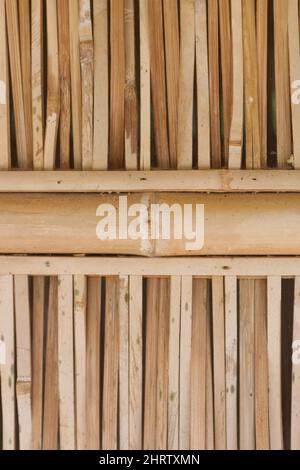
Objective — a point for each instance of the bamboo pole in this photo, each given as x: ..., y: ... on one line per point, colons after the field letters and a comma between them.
x: 5, y: 160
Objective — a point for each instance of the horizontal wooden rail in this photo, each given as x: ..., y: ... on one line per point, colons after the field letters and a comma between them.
x: 235, y: 224
x: 207, y: 181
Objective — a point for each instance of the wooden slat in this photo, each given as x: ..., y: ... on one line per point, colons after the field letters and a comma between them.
x: 185, y: 363
x: 186, y: 85
x: 93, y: 331
x: 262, y: 20
x: 4, y: 93
x: 23, y: 357
x: 7, y: 335
x: 124, y: 362
x: 87, y: 81
x: 101, y: 85
x: 80, y: 314
x: 37, y: 363
x: 209, y: 411
x: 135, y: 362
x: 66, y: 363
x: 51, y: 399
x: 274, y: 362
x: 231, y: 347
x: 294, y: 61
x: 173, y: 369
x: 111, y: 367
x: 295, y: 409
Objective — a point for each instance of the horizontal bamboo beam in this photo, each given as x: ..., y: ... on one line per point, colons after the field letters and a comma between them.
x: 245, y: 224
x: 207, y: 181
x: 206, y: 267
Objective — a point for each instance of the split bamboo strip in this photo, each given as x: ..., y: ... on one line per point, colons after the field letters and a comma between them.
x: 262, y: 21
x: 145, y: 104
x: 51, y: 397
x: 87, y: 78
x: 274, y: 363
x: 198, y: 365
x: 135, y: 362
x: 294, y: 61
x: 111, y: 367
x: 5, y: 159
x: 231, y: 345
x: 236, y: 130
x: 53, y: 92
x: 173, y: 369
x: 38, y: 363
x: 65, y: 363
x: 246, y: 361
x: 23, y: 347
x: 65, y: 82
x: 117, y: 82
x: 101, y: 85
x: 80, y: 314
x: 37, y: 11
x: 131, y: 115
x: 185, y: 362
x: 282, y: 88
x: 219, y: 362
x: 158, y: 83
x: 171, y: 31
x: 295, y: 409
x: 75, y: 83
x: 7, y: 336
x: 16, y: 78
x: 186, y: 85
x: 261, y: 367
x: 202, y: 78
x: 124, y: 362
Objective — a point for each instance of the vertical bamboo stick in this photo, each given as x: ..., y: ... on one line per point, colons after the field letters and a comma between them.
x: 158, y: 83
x: 5, y: 160
x: 80, y: 307
x: 75, y: 83
x: 261, y: 367
x: 171, y: 30
x: 213, y: 53
x: 37, y: 10
x: 117, y: 80
x: 219, y: 362
x: 51, y: 400
x: 274, y: 362
x: 87, y: 79
x: 124, y: 362
x: 203, y: 111
x: 37, y: 364
x: 262, y: 63
x: 236, y: 130
x: 294, y: 56
x: 198, y: 366
x: 135, y: 362
x: 53, y: 94
x: 246, y: 352
x: 65, y: 363
x: 23, y: 346
x: 186, y: 84
x: 7, y: 336
x: 131, y: 116
x: 101, y: 85
x: 65, y: 82
x: 295, y: 419
x: 93, y: 326
x: 111, y: 363
x: 145, y: 114
x: 231, y: 338
x: 185, y: 363
x: 16, y: 80
x: 173, y: 369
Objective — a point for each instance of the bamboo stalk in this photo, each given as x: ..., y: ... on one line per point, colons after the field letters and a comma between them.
x: 51, y: 399
x: 101, y: 85
x: 124, y: 362
x: 5, y: 159
x: 87, y: 79
x: 295, y: 408
x: 65, y: 363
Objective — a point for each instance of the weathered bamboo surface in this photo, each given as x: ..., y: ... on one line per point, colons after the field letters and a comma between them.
x: 100, y: 84
x: 141, y: 359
